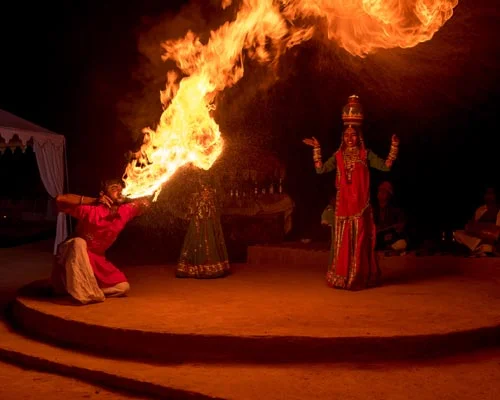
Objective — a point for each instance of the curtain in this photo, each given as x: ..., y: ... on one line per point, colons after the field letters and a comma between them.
x: 50, y: 160
x: 49, y: 152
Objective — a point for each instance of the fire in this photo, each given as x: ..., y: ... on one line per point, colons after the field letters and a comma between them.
x: 364, y: 26
x: 262, y: 30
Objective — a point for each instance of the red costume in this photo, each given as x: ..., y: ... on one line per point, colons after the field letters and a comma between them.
x: 353, y: 263
x: 99, y: 226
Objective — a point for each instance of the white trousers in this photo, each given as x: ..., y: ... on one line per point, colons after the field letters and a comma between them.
x: 72, y: 274
x: 473, y: 243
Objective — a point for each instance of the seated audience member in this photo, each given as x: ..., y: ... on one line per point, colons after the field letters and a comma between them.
x: 481, y: 234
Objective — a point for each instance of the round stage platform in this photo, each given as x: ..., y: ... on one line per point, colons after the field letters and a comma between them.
x: 277, y: 313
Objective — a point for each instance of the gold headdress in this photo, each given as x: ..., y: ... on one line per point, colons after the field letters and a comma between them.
x: 352, y: 113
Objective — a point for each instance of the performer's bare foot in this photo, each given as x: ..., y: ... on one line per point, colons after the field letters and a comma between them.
x: 119, y: 290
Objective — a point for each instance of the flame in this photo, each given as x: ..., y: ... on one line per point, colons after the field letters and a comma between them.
x: 364, y: 26
x: 262, y: 30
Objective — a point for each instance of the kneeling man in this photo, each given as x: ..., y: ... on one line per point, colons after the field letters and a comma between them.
x: 81, y: 268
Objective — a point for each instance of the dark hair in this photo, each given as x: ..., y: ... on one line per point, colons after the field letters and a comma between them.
x: 108, y: 182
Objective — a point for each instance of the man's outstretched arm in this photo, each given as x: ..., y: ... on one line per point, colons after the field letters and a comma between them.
x: 68, y: 201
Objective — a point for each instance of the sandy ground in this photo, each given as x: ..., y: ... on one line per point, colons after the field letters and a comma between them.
x: 279, y: 300
x: 471, y: 376
x: 19, y: 265
x: 468, y: 376
x: 21, y: 384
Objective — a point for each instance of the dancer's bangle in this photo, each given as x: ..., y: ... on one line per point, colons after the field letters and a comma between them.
x: 317, y: 157
x: 393, y: 152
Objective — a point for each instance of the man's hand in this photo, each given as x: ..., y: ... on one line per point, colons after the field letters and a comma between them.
x: 144, y: 202
x: 103, y: 199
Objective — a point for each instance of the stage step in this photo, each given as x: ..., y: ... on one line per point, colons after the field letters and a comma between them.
x: 440, y: 297
x: 470, y: 376
x: 265, y: 313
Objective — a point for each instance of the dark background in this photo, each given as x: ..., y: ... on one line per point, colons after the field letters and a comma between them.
x: 91, y: 70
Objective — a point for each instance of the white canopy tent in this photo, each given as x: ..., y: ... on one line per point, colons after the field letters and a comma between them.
x: 49, y: 149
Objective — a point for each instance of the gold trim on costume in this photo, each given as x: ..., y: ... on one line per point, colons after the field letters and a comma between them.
x: 351, y: 223
x: 186, y: 270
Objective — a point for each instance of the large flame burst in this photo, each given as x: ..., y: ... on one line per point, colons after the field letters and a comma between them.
x: 262, y: 30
